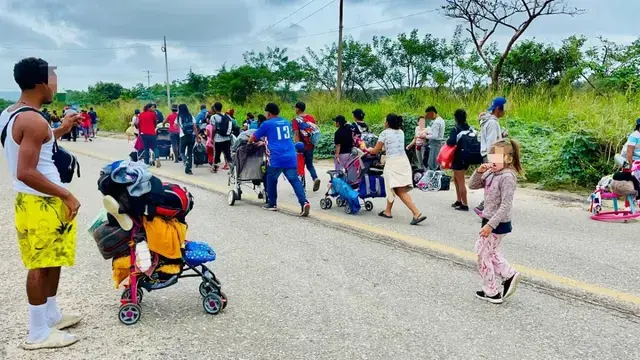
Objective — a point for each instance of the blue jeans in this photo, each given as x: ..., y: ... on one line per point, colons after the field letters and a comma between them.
x: 308, y: 161
x: 272, y: 184
x: 175, y: 146
x: 150, y: 144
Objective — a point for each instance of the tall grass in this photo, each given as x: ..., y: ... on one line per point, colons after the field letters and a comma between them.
x: 545, y: 121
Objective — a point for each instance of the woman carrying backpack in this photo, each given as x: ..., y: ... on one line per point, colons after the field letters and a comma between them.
x: 188, y: 130
x: 459, y: 166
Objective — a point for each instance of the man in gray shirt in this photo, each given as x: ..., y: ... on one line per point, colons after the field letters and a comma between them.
x: 436, y: 137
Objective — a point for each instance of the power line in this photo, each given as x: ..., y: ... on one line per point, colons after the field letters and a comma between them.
x: 303, y: 36
x: 228, y: 45
x: 307, y: 35
x: 78, y: 49
x: 286, y: 17
x: 310, y: 15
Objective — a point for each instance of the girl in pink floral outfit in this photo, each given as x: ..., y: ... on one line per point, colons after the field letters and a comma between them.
x: 498, y: 178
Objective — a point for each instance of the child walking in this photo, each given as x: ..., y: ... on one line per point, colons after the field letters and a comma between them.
x: 498, y: 178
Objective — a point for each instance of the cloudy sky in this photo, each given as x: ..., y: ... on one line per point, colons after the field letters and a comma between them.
x: 119, y: 40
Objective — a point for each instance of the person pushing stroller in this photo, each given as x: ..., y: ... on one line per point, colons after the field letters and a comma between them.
x: 282, y: 157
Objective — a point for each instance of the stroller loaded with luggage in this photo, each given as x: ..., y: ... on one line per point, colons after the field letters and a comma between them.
x: 143, y: 230
x: 248, y: 168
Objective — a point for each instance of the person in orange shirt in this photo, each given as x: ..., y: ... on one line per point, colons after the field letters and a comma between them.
x: 86, y: 125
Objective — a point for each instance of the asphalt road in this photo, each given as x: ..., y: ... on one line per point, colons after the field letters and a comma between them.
x: 299, y: 289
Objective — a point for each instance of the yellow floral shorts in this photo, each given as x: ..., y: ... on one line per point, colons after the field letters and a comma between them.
x: 45, y: 236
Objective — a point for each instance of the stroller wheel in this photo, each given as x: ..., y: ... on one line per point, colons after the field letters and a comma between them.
x: 212, y: 304
x: 206, y: 289
x: 341, y: 202
x: 328, y: 203
x: 129, y: 314
x: 347, y: 209
x: 223, y: 296
x: 323, y: 204
x: 231, y: 198
x: 126, y: 295
x: 368, y: 205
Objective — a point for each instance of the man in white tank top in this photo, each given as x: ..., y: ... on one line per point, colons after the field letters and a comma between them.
x: 45, y: 210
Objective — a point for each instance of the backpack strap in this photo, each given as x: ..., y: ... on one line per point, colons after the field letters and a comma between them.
x: 3, y: 136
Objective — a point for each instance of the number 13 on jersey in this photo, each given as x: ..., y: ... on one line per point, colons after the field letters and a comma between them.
x: 284, y: 132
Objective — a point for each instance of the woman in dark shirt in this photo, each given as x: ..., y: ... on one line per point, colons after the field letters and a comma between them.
x: 458, y: 166
x: 343, y: 139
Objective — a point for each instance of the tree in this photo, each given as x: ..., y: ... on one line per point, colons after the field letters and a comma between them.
x: 613, y: 66
x: 461, y: 63
x: 484, y: 17
x: 196, y: 85
x: 357, y: 62
x: 321, y: 67
x: 531, y: 63
x: 239, y: 83
x: 103, y: 92
x: 385, y: 70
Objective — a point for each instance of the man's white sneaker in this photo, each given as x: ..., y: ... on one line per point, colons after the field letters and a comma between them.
x: 56, y: 339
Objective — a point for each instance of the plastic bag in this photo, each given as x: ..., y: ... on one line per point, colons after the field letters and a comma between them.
x: 347, y: 194
x: 100, y: 219
x: 445, y: 157
x: 197, y: 253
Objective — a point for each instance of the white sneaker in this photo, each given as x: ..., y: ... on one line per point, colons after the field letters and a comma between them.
x: 56, y: 339
x: 67, y: 321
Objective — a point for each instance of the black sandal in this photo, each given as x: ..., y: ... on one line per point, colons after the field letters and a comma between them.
x: 418, y: 220
x: 382, y: 214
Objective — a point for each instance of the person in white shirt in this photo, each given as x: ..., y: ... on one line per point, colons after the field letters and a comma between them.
x: 397, y: 169
x: 45, y: 210
x: 435, y: 137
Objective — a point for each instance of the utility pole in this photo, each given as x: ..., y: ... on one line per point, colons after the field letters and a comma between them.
x: 339, y: 84
x: 166, y: 67
x: 148, y: 78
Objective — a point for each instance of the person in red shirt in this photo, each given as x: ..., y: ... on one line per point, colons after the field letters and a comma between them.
x: 147, y: 125
x: 174, y: 132
x: 301, y: 116
x: 86, y: 125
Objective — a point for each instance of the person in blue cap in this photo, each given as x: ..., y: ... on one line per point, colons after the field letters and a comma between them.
x: 633, y: 145
x: 490, y: 133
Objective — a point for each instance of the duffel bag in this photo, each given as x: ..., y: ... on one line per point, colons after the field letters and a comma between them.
x: 112, y: 241
x: 176, y: 202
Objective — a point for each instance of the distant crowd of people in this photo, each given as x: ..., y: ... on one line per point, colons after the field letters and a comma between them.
x: 88, y: 126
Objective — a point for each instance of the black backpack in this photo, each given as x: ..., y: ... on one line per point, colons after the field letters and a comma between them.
x: 187, y: 126
x: 469, y: 147
x: 66, y: 163
x: 225, y: 126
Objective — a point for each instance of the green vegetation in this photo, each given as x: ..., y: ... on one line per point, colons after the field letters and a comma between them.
x: 568, y: 137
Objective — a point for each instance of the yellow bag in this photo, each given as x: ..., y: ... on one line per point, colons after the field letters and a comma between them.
x: 165, y: 237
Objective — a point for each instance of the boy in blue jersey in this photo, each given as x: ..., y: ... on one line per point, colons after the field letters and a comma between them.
x: 282, y: 157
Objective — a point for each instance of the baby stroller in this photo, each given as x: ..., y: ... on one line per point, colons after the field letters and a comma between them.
x: 125, y: 236
x: 164, y: 142
x: 248, y: 166
x: 364, y: 175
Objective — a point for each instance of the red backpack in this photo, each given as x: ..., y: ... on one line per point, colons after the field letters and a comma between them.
x: 177, y: 203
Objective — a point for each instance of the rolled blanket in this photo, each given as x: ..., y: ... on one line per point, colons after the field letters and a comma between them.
x: 623, y: 188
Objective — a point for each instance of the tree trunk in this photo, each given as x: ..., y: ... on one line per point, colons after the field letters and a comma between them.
x: 495, y: 77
